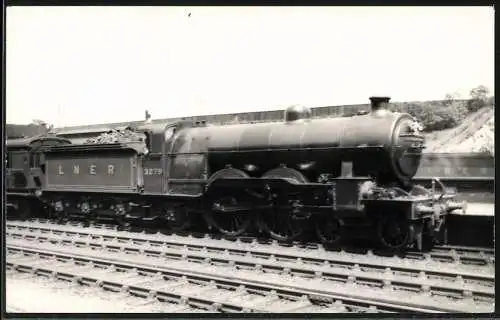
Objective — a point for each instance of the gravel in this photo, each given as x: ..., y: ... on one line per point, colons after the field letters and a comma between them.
x: 27, y: 293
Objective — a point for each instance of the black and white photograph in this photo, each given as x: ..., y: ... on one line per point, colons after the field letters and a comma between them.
x: 293, y: 160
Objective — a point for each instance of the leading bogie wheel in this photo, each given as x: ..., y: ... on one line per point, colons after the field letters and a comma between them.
x: 328, y: 229
x: 394, y: 232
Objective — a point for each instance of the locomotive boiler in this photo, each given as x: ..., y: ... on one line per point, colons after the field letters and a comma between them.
x: 340, y: 176
x: 384, y: 145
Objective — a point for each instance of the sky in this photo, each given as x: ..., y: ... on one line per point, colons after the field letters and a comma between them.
x: 90, y: 65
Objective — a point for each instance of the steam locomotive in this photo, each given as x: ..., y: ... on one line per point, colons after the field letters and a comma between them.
x: 343, y: 177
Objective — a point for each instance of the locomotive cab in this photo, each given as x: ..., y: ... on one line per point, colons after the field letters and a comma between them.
x: 153, y: 161
x: 175, y: 161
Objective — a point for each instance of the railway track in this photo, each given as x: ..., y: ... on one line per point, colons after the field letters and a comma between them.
x: 430, y: 289
x: 467, y: 256
x: 210, y: 288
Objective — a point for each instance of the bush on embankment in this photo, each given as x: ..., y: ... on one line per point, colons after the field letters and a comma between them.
x: 435, y: 115
x: 447, y: 113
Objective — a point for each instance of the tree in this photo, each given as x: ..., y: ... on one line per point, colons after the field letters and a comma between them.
x: 450, y: 98
x: 478, y: 98
x: 480, y: 92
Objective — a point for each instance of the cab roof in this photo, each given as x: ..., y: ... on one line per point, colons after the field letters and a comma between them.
x: 27, y: 142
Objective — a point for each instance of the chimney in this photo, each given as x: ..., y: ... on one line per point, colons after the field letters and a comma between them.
x: 379, y: 103
x: 148, y: 117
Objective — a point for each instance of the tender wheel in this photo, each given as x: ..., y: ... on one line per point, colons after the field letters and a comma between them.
x: 177, y: 219
x: 60, y: 213
x: 121, y: 223
x: 394, y: 232
x: 229, y: 223
x: 23, y: 213
x: 279, y: 224
x: 328, y: 229
x: 91, y: 218
x: 11, y: 212
x: 120, y: 211
x: 62, y: 217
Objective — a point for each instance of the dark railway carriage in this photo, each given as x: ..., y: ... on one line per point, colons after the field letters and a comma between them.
x: 338, y: 175
x: 25, y: 170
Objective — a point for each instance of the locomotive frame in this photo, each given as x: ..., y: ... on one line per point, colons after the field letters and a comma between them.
x: 354, y: 186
